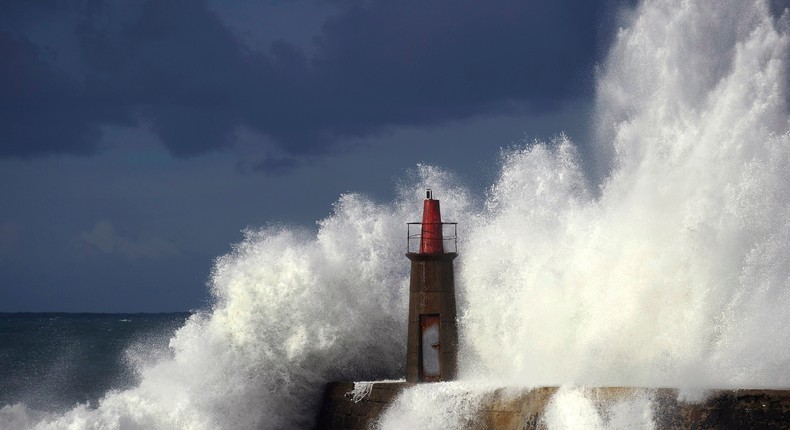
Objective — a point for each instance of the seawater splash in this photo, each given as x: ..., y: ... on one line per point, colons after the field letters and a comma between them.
x: 671, y: 271
x: 676, y: 273
x: 446, y: 405
x: 574, y: 408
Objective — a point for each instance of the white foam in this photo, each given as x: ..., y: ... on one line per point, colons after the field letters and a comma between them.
x: 446, y: 405
x: 674, y: 272
x: 361, y: 391
x: 576, y: 408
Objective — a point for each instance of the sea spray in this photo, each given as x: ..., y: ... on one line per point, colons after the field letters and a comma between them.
x: 674, y: 274
x: 446, y: 405
x: 577, y: 408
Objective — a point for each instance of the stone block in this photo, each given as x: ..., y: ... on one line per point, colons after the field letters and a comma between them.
x: 500, y: 420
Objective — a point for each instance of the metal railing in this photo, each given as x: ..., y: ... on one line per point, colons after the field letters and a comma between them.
x: 449, y: 236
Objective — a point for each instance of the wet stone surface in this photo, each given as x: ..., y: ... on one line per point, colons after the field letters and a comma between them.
x: 506, y: 410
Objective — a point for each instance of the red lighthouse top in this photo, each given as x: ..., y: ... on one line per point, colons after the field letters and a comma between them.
x: 436, y: 238
x: 431, y: 237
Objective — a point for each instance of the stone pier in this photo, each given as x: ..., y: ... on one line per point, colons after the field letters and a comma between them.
x: 345, y: 408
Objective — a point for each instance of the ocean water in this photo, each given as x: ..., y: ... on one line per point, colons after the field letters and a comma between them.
x: 661, y: 261
x: 53, y: 361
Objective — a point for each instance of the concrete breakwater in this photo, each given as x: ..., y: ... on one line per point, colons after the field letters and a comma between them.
x: 347, y: 406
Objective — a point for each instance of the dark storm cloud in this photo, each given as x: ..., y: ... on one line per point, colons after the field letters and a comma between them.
x: 176, y: 66
x: 42, y: 110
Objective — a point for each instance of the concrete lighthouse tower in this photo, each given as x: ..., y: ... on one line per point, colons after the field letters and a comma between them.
x: 432, y: 346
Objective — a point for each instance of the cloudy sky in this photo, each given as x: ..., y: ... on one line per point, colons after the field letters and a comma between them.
x: 139, y: 138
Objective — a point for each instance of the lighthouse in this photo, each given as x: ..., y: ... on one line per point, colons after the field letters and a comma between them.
x: 432, y: 345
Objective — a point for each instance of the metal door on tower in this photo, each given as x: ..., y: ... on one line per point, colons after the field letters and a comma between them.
x: 430, y: 354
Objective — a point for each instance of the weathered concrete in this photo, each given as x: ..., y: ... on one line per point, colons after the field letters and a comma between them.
x: 506, y: 409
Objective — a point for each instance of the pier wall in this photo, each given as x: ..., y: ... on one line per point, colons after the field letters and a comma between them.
x: 504, y: 409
